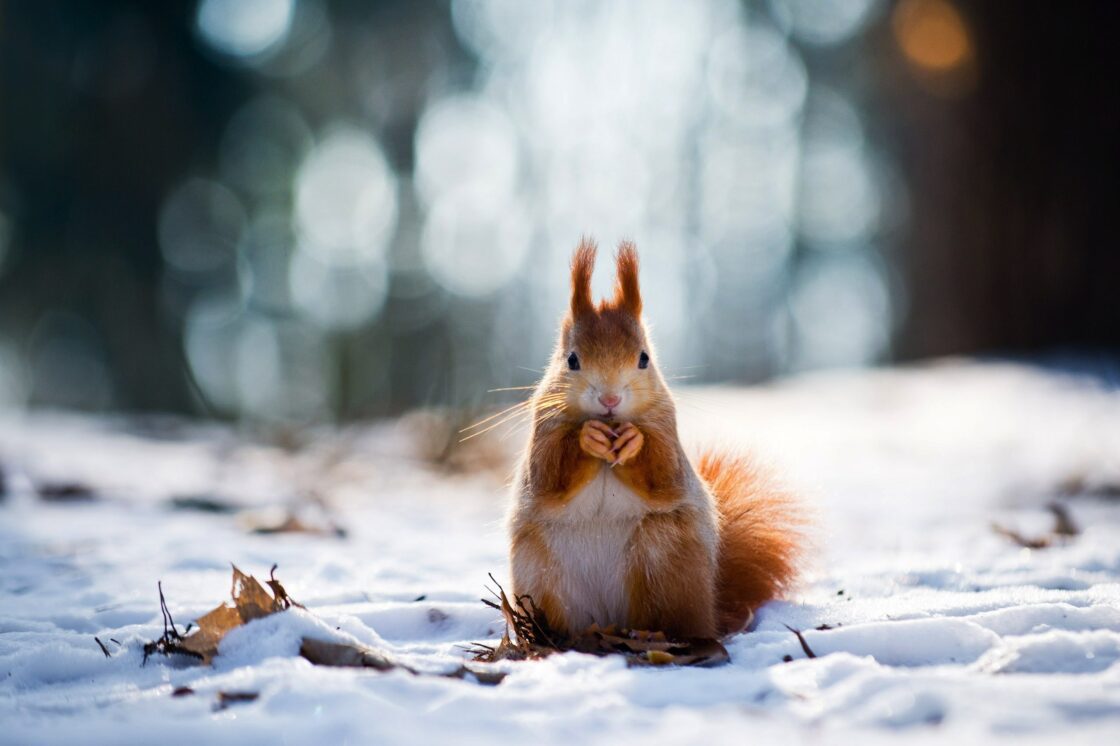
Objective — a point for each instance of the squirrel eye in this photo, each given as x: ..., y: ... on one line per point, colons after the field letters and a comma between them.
x: 573, y: 362
x: 643, y: 360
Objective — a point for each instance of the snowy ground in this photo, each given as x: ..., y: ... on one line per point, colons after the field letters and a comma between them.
x: 939, y: 627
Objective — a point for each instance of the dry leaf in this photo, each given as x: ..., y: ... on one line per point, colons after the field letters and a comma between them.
x: 267, y: 522
x: 324, y: 653
x: 250, y: 597
x: 250, y: 601
x: 1063, y: 530
x: 211, y: 629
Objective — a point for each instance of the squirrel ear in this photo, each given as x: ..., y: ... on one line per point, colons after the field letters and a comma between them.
x: 626, y: 294
x: 583, y: 262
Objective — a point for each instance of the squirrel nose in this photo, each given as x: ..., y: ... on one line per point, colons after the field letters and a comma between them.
x: 610, y: 401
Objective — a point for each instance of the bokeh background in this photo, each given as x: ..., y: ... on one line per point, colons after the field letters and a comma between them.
x: 316, y: 210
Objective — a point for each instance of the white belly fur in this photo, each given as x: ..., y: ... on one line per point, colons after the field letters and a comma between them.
x: 588, y: 541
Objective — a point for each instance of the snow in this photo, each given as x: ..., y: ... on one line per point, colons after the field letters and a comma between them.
x: 938, y: 628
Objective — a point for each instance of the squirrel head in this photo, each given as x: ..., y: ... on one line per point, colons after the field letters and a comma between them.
x: 603, y: 363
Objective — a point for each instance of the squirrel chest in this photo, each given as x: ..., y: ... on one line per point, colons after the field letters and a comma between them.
x: 589, y: 537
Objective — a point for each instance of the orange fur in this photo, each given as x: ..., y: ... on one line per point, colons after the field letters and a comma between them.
x: 760, y: 535
x: 662, y: 597
x: 627, y: 295
x: 612, y: 523
x: 583, y: 262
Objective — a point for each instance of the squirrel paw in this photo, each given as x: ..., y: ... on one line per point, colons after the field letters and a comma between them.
x: 628, y: 443
x: 596, y: 439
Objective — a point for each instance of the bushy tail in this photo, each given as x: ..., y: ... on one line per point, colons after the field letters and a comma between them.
x: 761, y: 538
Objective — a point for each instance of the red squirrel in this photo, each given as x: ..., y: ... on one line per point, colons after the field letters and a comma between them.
x: 612, y: 523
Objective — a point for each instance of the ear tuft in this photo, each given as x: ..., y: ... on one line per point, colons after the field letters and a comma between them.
x: 627, y: 294
x: 583, y: 263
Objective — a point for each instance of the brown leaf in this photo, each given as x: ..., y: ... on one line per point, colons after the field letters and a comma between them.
x: 323, y: 653
x: 291, y: 524
x: 279, y: 592
x: 252, y: 600
x: 344, y: 655
x: 211, y: 629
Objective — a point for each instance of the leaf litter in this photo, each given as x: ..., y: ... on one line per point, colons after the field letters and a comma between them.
x: 251, y: 601
x: 1064, y: 530
x: 528, y: 636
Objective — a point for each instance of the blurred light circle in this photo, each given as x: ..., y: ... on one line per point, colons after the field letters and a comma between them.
x: 244, y: 28
x: 755, y: 77
x: 465, y: 143
x: 201, y: 224
x: 263, y: 144
x: 840, y: 200
x: 823, y: 22
x: 210, y: 335
x: 495, y: 28
x: 748, y: 187
x: 256, y: 365
x: 256, y: 369
x: 932, y: 34
x: 308, y: 40
x: 335, y: 296
x: 840, y: 308
x: 282, y: 370
x: 470, y: 251
x: 829, y: 115
x: 346, y: 199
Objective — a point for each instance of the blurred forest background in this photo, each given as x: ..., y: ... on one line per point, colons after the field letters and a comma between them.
x: 307, y: 210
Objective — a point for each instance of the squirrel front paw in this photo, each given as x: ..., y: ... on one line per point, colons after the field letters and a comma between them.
x: 597, y: 440
x: 628, y: 443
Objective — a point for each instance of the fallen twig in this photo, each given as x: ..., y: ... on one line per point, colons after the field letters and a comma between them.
x: 171, y: 642
x: 101, y: 645
x: 801, y: 639
x: 1064, y: 529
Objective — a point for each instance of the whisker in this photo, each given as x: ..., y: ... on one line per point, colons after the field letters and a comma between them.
x: 513, y: 408
x: 512, y: 413
x: 514, y: 417
x: 510, y: 418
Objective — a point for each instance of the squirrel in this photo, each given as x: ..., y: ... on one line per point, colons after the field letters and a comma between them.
x: 612, y: 523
